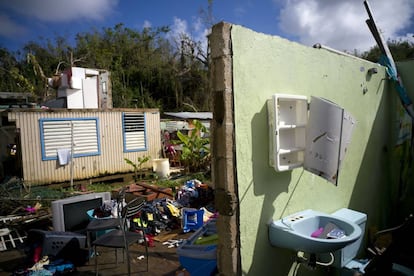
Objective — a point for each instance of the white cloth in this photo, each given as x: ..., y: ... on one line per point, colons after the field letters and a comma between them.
x: 63, y: 156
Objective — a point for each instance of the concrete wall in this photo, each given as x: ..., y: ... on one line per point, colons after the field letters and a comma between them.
x: 247, y: 68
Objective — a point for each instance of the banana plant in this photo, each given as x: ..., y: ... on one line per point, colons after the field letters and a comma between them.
x: 137, y: 166
x: 195, y: 154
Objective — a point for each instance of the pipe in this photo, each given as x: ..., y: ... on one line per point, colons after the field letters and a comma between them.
x: 320, y: 46
x: 71, y: 154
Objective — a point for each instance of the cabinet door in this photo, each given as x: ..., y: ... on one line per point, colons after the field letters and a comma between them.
x: 328, y: 133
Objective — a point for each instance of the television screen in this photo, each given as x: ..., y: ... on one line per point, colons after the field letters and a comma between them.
x: 76, y: 218
x: 69, y: 214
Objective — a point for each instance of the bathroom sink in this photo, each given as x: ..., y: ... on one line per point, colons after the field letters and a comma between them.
x: 313, y: 232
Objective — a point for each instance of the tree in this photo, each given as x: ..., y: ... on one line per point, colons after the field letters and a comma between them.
x: 11, y: 74
x: 400, y: 50
x: 137, y: 62
x: 43, y: 60
x: 147, y: 71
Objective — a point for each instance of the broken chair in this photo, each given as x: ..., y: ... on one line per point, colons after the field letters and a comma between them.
x: 122, y: 237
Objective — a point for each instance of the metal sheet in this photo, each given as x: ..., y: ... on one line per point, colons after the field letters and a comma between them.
x: 109, y: 161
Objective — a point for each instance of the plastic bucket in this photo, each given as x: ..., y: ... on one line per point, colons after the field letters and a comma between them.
x: 91, y: 217
x: 161, y: 167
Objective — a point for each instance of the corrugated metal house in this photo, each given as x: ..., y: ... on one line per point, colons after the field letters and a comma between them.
x: 99, y: 140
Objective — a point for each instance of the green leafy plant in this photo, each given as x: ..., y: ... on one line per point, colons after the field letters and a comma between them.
x: 195, y: 154
x: 137, y: 166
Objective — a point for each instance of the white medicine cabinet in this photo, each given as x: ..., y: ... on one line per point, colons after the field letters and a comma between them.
x: 311, y: 135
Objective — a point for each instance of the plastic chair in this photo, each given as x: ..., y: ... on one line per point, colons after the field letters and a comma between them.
x: 96, y: 227
x: 122, y: 237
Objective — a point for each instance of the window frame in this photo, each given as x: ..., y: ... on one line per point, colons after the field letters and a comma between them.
x: 144, y: 130
x: 46, y: 157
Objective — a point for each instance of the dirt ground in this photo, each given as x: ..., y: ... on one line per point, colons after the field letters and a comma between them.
x: 163, y: 261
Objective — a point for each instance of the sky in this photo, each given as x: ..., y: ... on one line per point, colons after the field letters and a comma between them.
x: 339, y: 24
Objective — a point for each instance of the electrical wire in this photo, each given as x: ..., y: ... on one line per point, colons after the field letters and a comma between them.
x: 301, y: 257
x: 296, y: 270
x: 328, y: 263
x: 293, y: 269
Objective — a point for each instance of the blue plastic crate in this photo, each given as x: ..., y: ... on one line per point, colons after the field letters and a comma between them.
x: 192, y: 219
x: 199, y: 259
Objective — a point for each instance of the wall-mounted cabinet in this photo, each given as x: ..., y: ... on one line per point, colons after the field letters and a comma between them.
x: 311, y: 135
x: 288, y: 116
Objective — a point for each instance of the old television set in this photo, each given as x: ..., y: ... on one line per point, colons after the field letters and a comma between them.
x: 70, y: 214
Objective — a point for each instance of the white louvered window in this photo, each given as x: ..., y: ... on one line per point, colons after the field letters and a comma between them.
x: 134, y: 131
x: 59, y: 133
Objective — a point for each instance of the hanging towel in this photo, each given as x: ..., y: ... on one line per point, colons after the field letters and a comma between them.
x: 63, y: 156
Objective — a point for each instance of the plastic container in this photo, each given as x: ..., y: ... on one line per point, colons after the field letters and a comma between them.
x: 199, y: 259
x: 59, y: 245
x: 161, y: 167
x: 91, y: 217
x: 192, y: 219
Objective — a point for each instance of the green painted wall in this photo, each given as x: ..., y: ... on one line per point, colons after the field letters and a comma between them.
x: 264, y: 65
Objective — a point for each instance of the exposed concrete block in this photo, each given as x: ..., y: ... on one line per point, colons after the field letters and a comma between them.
x: 223, y: 162
x: 220, y: 36
x: 222, y: 77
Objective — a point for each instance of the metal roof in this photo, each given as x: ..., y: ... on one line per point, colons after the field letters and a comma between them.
x: 15, y: 95
x: 191, y: 115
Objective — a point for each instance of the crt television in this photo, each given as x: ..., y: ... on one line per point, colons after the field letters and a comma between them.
x: 69, y: 214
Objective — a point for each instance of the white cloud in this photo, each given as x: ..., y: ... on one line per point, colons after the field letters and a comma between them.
x: 147, y: 24
x: 341, y: 24
x: 195, y: 31
x: 9, y: 28
x: 60, y: 11
x: 239, y: 11
x: 201, y: 32
x: 179, y: 28
x: 198, y: 24
x: 407, y: 37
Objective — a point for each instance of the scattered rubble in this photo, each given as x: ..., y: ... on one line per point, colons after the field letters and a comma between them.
x: 162, y: 218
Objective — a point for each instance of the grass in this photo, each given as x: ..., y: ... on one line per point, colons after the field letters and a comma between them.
x: 15, y: 194
x: 173, y: 183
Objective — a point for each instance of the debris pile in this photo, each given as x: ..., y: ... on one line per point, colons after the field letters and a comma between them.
x: 165, y: 216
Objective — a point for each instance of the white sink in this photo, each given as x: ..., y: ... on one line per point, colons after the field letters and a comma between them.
x: 306, y: 231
